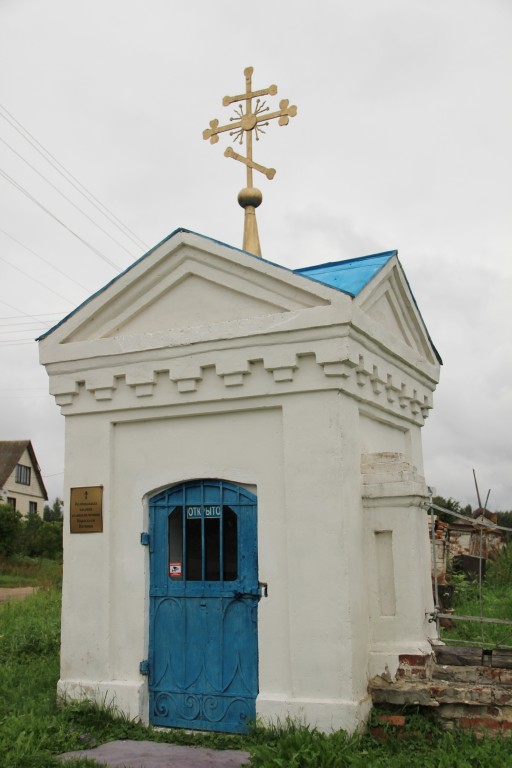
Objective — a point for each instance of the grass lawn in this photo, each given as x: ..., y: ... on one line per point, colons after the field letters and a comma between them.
x: 496, y: 604
x: 21, y: 571
x: 33, y: 729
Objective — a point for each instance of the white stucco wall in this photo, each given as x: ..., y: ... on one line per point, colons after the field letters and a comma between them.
x: 294, y: 398
x: 311, y: 660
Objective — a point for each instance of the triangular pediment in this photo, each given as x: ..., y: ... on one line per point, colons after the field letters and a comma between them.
x: 187, y: 303
x: 183, y: 299
x: 181, y: 284
x: 389, y: 302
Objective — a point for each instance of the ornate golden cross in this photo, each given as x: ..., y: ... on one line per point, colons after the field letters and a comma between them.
x: 246, y: 123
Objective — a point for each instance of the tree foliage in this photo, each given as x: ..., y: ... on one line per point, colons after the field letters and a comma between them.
x: 499, y: 571
x: 53, y: 513
x: 505, y: 518
x: 10, y: 530
x: 453, y: 506
x: 31, y: 536
x: 41, y: 538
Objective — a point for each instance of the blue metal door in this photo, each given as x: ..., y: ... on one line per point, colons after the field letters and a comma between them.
x: 203, y: 652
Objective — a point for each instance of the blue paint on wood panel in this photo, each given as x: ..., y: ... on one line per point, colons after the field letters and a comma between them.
x: 203, y: 652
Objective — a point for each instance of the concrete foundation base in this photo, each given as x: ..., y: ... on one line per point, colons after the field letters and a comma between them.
x: 325, y: 714
x: 128, y: 697
x: 131, y: 699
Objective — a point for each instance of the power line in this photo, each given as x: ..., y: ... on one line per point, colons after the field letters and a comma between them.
x: 68, y: 176
x: 15, y: 324
x: 30, y: 277
x: 26, y: 314
x: 68, y: 199
x: 13, y: 343
x: 16, y: 343
x: 53, y: 216
x: 34, y: 329
x: 23, y: 397
x: 15, y: 321
x: 14, y: 317
x: 43, y: 259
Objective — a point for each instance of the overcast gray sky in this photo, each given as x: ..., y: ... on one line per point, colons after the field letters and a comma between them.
x: 402, y: 140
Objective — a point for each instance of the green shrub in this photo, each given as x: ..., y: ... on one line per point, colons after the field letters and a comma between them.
x: 30, y: 536
x: 10, y: 530
x: 499, y: 571
x: 496, y: 604
x: 53, y: 513
x: 40, y: 538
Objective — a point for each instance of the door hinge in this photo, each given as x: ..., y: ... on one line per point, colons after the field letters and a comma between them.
x: 144, y: 538
x: 144, y: 667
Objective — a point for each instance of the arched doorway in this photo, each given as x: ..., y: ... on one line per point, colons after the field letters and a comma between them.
x: 203, y: 652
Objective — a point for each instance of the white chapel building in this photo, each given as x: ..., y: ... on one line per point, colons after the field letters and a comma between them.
x: 246, y: 534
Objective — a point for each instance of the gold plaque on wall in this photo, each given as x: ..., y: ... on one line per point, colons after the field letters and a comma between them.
x: 86, y: 509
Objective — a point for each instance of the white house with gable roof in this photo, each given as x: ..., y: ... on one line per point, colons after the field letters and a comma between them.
x: 254, y: 435
x: 21, y: 482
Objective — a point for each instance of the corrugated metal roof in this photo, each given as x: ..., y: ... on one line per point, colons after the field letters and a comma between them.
x: 349, y: 276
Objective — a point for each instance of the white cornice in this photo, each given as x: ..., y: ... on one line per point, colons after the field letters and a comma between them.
x: 313, y: 364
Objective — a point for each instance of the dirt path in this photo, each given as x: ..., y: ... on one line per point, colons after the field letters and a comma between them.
x: 15, y: 593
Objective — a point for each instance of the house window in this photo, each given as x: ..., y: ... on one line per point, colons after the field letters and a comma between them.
x: 32, y: 506
x: 22, y: 474
x: 11, y: 502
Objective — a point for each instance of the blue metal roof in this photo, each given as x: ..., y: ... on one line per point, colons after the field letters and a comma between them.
x: 349, y: 276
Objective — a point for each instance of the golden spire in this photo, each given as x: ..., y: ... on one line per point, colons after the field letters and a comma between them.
x: 246, y: 123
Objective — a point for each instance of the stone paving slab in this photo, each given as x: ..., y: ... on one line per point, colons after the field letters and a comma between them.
x: 150, y: 754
